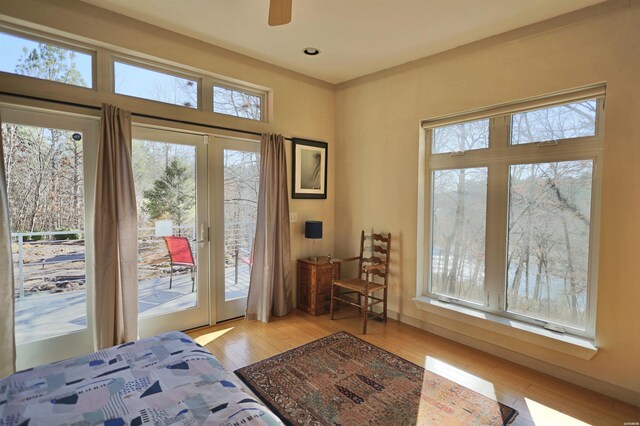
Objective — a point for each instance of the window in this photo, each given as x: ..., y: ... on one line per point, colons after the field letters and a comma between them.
x: 45, y: 60
x: 512, y: 209
x: 461, y: 137
x: 155, y: 85
x: 567, y: 121
x: 237, y: 103
x: 458, y: 236
x: 548, y: 240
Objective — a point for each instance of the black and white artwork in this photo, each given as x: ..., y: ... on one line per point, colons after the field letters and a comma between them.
x: 309, y: 173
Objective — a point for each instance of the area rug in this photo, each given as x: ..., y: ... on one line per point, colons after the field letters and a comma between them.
x: 343, y: 380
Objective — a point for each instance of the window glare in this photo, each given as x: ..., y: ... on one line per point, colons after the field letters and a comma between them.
x: 461, y: 137
x: 568, y: 121
x: 154, y: 85
x: 458, y: 233
x: 236, y: 103
x: 45, y: 61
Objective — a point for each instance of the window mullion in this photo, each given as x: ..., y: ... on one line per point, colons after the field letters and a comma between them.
x: 104, y: 71
x: 497, y: 217
x: 496, y: 249
x: 206, y: 93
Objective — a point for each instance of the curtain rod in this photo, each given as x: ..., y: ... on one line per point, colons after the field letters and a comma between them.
x: 136, y: 114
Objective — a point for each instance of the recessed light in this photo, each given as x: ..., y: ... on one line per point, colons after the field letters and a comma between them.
x: 311, y: 51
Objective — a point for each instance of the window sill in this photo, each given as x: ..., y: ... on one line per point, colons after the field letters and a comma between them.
x: 567, y: 344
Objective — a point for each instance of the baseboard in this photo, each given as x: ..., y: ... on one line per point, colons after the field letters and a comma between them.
x: 596, y: 385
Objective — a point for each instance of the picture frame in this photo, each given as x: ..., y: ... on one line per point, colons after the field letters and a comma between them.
x: 309, y: 169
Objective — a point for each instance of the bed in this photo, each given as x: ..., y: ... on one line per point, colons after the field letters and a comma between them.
x: 167, y: 379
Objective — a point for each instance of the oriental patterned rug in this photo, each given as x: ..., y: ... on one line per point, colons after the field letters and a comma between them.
x: 343, y: 380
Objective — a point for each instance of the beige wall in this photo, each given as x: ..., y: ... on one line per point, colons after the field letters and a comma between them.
x: 302, y: 106
x: 377, y: 134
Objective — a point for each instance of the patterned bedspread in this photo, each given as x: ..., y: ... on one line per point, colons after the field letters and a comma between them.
x: 167, y: 379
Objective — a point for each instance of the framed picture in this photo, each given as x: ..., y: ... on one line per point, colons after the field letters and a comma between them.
x: 309, y: 169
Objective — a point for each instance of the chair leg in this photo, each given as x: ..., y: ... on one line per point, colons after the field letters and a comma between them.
x: 359, y: 303
x: 331, y: 305
x: 385, y: 304
x: 365, y: 314
x: 170, y: 276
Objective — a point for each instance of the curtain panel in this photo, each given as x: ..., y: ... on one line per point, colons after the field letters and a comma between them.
x: 270, y: 288
x: 7, y: 298
x: 115, y: 233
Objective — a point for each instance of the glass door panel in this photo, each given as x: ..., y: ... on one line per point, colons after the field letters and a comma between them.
x: 49, y: 159
x: 171, y: 188
x: 238, y: 162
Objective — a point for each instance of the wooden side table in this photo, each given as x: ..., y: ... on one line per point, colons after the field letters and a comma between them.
x: 314, y: 284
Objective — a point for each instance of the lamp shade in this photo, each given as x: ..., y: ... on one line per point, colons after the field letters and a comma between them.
x: 313, y: 229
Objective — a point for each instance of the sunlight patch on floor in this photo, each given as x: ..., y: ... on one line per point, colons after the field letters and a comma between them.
x: 461, y: 377
x: 205, y: 339
x: 543, y: 415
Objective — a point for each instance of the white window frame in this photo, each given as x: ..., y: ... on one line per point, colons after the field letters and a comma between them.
x: 244, y: 89
x: 58, y: 42
x: 497, y: 158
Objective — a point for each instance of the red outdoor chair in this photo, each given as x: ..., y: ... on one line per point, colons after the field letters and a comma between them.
x: 180, y: 255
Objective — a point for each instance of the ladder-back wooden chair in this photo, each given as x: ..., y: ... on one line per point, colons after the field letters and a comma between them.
x: 180, y: 254
x: 365, y: 284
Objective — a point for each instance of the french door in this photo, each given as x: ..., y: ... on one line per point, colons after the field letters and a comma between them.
x: 170, y: 175
x: 236, y: 176
x: 50, y: 159
x: 50, y: 162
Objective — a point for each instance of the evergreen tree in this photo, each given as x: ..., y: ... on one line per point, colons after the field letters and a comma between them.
x: 172, y: 195
x: 50, y: 63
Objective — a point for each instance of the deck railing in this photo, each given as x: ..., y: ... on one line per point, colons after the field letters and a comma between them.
x: 20, y: 239
x: 238, y: 244
x: 238, y: 240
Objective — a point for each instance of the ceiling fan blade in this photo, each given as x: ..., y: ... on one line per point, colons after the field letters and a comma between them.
x: 279, y: 12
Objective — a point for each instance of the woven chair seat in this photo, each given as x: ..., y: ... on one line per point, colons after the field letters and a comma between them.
x: 358, y: 285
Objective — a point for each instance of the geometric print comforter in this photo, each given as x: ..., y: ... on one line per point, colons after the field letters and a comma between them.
x: 163, y: 380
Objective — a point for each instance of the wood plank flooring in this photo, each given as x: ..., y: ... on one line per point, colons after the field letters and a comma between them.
x: 539, y: 398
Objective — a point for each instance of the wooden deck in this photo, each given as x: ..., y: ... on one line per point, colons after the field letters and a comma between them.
x: 41, y: 316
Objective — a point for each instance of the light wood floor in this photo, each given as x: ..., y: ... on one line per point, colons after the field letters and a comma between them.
x: 539, y: 398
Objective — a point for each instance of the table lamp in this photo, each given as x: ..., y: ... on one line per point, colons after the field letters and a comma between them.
x: 313, y: 230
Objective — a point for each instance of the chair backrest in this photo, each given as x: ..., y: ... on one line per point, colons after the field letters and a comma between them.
x: 379, y: 250
x: 179, y: 251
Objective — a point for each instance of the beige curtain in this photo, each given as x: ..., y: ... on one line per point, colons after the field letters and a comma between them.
x: 115, y: 233
x: 270, y: 288
x: 7, y: 300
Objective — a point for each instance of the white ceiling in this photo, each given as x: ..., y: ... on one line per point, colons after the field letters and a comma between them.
x: 355, y: 37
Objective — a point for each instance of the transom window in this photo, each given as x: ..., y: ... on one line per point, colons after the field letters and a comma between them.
x: 237, y: 102
x: 568, y: 121
x: 461, y: 137
x: 512, y: 209
x: 45, y: 60
x: 155, y: 85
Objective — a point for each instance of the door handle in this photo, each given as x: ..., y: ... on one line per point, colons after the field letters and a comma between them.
x: 202, y: 238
